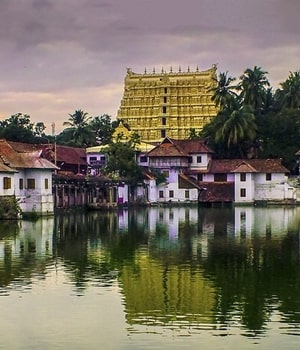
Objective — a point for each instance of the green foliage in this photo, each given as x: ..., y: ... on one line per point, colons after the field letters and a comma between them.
x: 159, y: 176
x: 234, y: 128
x: 289, y: 94
x: 18, y: 128
x: 256, y: 122
x: 253, y: 87
x: 79, y: 132
x: 122, y: 161
x: 194, y: 135
x: 103, y: 127
x: 9, y: 207
x: 223, y: 91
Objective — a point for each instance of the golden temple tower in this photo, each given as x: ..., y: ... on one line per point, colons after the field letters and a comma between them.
x: 156, y: 105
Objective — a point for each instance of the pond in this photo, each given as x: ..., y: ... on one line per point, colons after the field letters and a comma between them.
x: 152, y: 278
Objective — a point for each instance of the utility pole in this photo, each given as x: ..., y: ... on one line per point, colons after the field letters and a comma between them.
x: 53, y: 134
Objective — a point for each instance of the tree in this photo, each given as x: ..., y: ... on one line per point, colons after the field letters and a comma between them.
x: 223, y: 91
x: 18, y: 128
x: 103, y: 128
x: 39, y: 129
x: 253, y: 88
x: 233, y: 129
x: 122, y: 161
x: 280, y: 136
x: 79, y: 132
x: 289, y: 94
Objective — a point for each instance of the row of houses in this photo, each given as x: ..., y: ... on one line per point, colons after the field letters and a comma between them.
x: 193, y: 175
x: 46, y: 176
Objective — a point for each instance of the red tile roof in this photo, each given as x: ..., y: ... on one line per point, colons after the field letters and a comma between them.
x: 247, y: 165
x: 66, y: 154
x: 178, y: 148
x: 26, y: 159
x: 216, y: 192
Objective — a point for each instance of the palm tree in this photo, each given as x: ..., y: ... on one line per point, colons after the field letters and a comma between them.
x: 80, y: 129
x: 253, y: 88
x: 233, y: 130
x: 223, y: 91
x: 289, y: 94
x: 239, y: 126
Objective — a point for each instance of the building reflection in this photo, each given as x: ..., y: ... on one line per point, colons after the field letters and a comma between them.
x: 179, y: 266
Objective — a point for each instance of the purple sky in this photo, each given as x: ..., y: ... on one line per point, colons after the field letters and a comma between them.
x: 60, y: 55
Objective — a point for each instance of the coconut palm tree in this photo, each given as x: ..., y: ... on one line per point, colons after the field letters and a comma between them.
x: 223, y: 91
x: 253, y: 88
x: 232, y: 131
x: 79, y: 129
x: 239, y: 126
x: 289, y: 94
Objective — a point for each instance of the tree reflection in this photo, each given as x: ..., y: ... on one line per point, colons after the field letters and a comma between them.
x: 194, y: 267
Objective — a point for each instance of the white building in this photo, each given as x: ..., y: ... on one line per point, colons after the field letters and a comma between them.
x: 27, y: 176
x: 193, y: 175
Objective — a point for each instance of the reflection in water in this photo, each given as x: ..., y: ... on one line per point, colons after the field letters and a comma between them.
x: 222, y: 270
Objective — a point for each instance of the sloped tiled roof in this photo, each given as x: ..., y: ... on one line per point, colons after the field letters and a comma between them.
x: 67, y: 154
x: 246, y: 166
x: 178, y: 148
x: 71, y: 155
x: 26, y: 159
x: 216, y: 192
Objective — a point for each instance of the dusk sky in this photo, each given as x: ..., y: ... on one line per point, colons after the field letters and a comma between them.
x: 61, y: 55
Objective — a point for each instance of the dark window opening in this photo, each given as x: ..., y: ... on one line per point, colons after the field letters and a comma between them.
x: 243, y: 192
x: 243, y: 177
x: 220, y: 177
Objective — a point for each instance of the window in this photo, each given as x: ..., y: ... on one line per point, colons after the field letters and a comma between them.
x: 162, y: 133
x: 164, y: 109
x: 6, y: 183
x: 165, y: 90
x: 46, y: 184
x: 199, y: 159
x: 190, y: 159
x: 165, y: 99
x: 21, y: 184
x: 187, y: 194
x: 243, y: 192
x: 200, y: 177
x: 171, y: 194
x: 166, y: 173
x: 163, y: 121
x: 220, y: 177
x: 30, y: 184
x: 243, y: 177
x: 143, y: 159
x: 161, y: 194
x: 268, y: 177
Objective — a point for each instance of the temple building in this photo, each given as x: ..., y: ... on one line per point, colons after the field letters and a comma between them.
x: 156, y: 105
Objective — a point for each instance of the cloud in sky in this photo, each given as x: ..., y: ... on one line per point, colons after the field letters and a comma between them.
x: 57, y: 56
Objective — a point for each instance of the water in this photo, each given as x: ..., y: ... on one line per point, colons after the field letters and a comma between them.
x: 158, y: 278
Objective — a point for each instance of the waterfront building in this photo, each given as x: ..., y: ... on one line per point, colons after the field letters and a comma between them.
x: 156, y: 105
x: 97, y: 158
x: 27, y: 176
x: 193, y: 175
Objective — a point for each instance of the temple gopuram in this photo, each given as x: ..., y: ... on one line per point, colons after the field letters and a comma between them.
x: 156, y: 105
